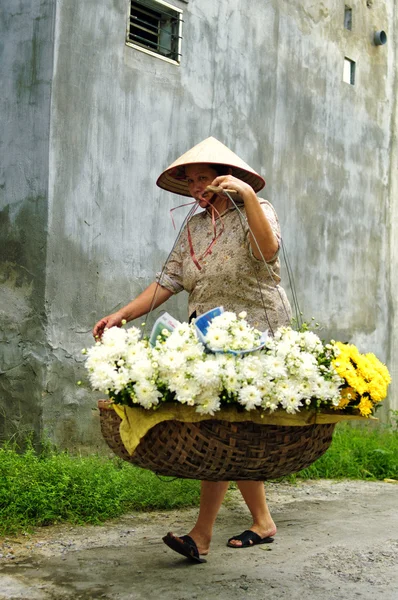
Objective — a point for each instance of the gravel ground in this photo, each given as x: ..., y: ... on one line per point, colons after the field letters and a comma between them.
x: 335, y: 540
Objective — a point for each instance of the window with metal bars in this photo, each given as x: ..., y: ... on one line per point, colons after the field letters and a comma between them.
x: 155, y: 27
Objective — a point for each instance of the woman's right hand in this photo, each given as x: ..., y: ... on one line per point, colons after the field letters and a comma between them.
x: 113, y: 320
x: 152, y: 297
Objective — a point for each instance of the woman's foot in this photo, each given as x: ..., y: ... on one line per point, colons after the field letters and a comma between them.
x: 202, y: 541
x: 184, y: 545
x: 264, y: 533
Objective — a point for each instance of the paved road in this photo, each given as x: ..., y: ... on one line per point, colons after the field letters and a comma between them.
x: 335, y: 541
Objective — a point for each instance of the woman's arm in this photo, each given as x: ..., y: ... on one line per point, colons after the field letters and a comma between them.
x: 261, y: 231
x: 151, y: 298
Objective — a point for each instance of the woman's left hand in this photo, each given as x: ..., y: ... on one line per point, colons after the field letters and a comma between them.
x: 262, y: 239
x: 229, y: 182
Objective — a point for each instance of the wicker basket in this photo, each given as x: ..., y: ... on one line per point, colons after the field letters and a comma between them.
x: 215, y: 450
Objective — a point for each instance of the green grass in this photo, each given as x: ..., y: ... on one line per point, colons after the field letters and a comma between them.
x: 357, y: 453
x: 38, y: 490
x: 50, y: 487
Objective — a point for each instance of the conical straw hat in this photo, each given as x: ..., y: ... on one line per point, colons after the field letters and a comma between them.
x: 210, y: 151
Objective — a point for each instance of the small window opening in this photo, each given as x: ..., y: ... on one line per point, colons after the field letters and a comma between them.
x: 349, y: 71
x: 348, y: 18
x: 155, y: 27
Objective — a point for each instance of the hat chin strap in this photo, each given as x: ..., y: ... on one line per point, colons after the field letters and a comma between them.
x: 209, y: 202
x: 216, y: 234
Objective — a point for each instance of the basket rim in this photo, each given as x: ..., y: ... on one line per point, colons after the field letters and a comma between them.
x: 336, y: 415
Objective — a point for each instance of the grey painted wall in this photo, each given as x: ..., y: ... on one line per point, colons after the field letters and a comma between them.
x: 266, y: 79
x: 26, y: 53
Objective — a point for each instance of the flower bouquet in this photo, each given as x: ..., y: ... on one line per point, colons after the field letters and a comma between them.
x: 229, y: 362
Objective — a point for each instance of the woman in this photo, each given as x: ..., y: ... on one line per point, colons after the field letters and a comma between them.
x: 226, y: 255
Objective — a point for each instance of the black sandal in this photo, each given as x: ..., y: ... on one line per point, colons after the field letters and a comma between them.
x: 184, y: 545
x: 249, y: 538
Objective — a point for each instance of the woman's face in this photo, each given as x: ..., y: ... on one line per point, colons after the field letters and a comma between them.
x: 198, y: 178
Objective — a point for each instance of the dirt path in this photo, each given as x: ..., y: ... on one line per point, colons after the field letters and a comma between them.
x: 335, y: 541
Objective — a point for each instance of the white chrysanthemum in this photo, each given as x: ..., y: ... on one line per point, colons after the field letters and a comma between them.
x: 185, y: 329
x: 103, y: 377
x: 307, y: 366
x: 171, y: 360
x: 115, y: 336
x: 251, y: 367
x: 228, y: 332
x: 121, y: 379
x: 178, y: 337
x: 310, y: 342
x: 270, y: 400
x: 327, y: 391
x: 207, y: 372
x: 193, y: 351
x: 173, y: 379
x: 183, y: 385
x: 224, y: 320
x: 142, y: 368
x: 136, y: 352
x: 274, y: 366
x: 305, y: 389
x: 231, y: 382
x: 336, y: 399
x: 241, y: 340
x: 133, y: 335
x: 208, y: 402
x: 292, y: 404
x: 265, y: 387
x: 290, y: 334
x: 146, y: 394
x: 281, y: 388
x: 101, y: 353
x: 97, y: 355
x: 242, y: 326
x: 217, y: 338
x: 250, y: 397
x: 225, y: 360
x: 229, y: 372
x: 187, y: 391
x: 242, y: 330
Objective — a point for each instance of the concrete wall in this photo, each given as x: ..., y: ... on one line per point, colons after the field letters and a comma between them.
x: 26, y: 53
x: 266, y: 79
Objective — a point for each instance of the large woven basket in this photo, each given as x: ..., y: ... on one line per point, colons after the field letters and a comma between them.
x: 215, y: 450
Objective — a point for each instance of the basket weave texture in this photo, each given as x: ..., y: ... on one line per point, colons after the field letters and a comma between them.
x: 216, y: 450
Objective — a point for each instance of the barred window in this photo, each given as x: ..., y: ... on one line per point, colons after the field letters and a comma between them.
x: 155, y: 27
x: 348, y: 18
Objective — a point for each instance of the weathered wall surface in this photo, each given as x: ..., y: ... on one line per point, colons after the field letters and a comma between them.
x: 266, y: 79
x: 391, y: 259
x: 331, y: 175
x: 26, y: 49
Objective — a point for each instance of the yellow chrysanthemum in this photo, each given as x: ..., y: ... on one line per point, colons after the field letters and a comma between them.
x: 363, y: 372
x: 365, y: 407
x: 344, y: 351
x: 354, y: 353
x: 377, y: 389
x: 342, y: 404
x: 379, y: 367
x: 349, y: 351
x: 355, y: 382
x: 365, y: 368
x: 348, y: 394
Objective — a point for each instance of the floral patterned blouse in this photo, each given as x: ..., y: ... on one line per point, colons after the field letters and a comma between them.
x: 230, y: 276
